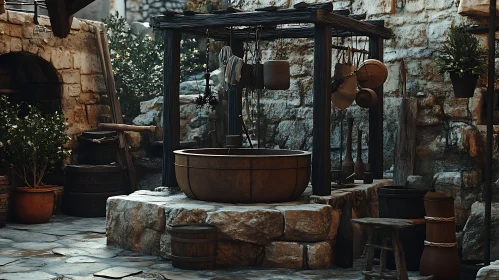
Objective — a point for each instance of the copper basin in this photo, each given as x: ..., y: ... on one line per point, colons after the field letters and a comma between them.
x: 242, y: 175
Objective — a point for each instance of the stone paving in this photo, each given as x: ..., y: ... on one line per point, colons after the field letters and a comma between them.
x: 75, y: 248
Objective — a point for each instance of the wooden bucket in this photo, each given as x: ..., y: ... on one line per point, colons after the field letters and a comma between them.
x: 372, y: 73
x: 366, y: 98
x: 4, y: 200
x: 194, y: 246
x: 276, y: 74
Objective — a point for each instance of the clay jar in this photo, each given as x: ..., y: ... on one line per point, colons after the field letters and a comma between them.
x: 276, y: 74
x: 438, y: 260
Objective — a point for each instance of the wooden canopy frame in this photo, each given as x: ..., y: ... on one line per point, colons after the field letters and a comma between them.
x: 325, y: 23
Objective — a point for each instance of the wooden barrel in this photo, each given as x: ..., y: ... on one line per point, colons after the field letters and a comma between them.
x: 194, y: 246
x: 98, y: 147
x: 4, y: 200
x: 89, y: 186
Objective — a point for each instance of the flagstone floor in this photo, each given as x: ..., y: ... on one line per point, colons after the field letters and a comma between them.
x: 75, y: 248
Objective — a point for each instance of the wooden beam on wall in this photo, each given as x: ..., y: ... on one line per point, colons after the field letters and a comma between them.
x: 321, y: 152
x: 171, y: 106
x: 376, y: 116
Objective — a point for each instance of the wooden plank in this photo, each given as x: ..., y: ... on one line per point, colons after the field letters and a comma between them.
x: 321, y: 152
x: 349, y: 24
x: 283, y: 16
x: 248, y: 34
x: 384, y: 222
x: 116, y: 110
x: 171, y: 106
x: 405, y: 146
x: 235, y: 97
x: 376, y: 116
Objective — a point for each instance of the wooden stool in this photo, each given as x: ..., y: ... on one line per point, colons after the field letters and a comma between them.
x: 388, y: 228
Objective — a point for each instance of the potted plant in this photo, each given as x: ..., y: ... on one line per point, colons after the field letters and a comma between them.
x: 462, y: 57
x: 33, y: 143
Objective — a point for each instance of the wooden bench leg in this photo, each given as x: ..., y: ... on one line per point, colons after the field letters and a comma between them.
x: 382, y: 256
x: 399, y: 256
x: 370, y: 251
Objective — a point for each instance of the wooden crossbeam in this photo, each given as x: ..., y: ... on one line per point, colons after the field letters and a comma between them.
x: 353, y: 25
x: 343, y: 25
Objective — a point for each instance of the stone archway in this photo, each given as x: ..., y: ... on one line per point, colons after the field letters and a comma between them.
x: 29, y: 79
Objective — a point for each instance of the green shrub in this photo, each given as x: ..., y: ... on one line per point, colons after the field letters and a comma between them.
x: 137, y: 62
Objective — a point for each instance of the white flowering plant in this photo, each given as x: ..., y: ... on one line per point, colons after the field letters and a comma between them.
x: 32, y: 142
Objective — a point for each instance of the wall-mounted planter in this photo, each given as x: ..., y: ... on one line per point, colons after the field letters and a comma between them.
x: 464, y: 87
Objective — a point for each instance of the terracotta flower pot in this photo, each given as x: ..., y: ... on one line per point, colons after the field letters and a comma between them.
x: 33, y: 205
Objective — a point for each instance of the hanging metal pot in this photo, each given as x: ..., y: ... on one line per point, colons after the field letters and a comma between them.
x: 345, y: 94
x: 366, y: 98
x: 276, y: 74
x: 372, y: 73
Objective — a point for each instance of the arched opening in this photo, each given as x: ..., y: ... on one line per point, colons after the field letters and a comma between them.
x: 27, y: 78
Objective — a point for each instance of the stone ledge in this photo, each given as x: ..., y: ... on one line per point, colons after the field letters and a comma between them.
x: 249, y: 234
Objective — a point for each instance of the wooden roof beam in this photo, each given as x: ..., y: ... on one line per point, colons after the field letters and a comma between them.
x: 353, y: 25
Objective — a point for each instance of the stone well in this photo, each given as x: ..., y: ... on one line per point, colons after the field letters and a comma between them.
x: 299, y: 234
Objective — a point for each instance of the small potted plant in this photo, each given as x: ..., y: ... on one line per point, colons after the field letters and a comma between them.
x: 462, y: 57
x: 33, y: 143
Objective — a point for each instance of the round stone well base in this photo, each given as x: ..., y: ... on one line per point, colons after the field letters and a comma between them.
x: 298, y: 234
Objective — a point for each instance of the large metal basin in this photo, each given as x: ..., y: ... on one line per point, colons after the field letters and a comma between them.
x: 242, y: 175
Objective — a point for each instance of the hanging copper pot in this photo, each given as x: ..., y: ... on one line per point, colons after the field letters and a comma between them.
x: 276, y: 74
x: 366, y: 98
x: 372, y: 73
x: 345, y: 95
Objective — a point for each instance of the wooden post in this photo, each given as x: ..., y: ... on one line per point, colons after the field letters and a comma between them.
x: 235, y: 98
x: 171, y: 106
x: 321, y: 153
x: 376, y: 116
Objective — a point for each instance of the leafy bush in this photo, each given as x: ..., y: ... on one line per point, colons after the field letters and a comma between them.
x: 461, y: 54
x: 137, y: 62
x: 32, y: 142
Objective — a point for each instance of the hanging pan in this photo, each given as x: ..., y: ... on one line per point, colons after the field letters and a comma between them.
x: 346, y: 92
x: 372, y: 73
x: 366, y: 98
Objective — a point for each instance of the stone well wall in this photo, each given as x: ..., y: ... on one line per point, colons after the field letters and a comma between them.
x: 74, y: 59
x: 299, y: 234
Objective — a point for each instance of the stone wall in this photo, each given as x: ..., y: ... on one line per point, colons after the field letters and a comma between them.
x: 73, y: 58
